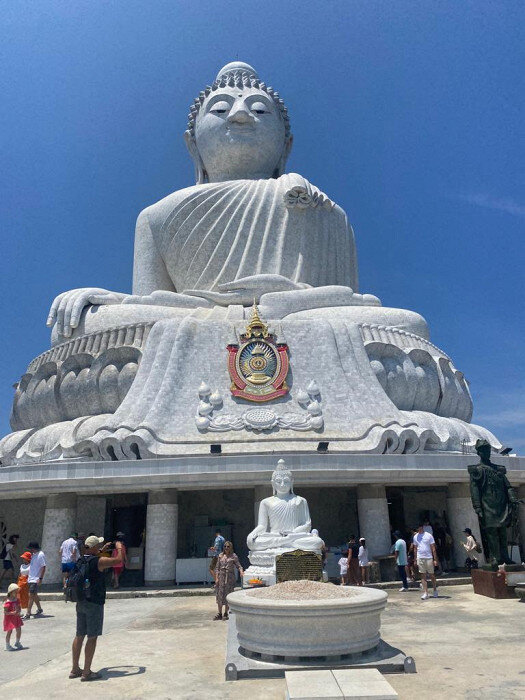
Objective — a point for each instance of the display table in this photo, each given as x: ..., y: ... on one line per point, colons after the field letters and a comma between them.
x: 194, y: 570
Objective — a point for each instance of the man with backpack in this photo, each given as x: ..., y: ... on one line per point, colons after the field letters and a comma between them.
x: 86, y: 585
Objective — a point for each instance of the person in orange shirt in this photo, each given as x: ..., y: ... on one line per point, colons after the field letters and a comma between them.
x: 23, y: 586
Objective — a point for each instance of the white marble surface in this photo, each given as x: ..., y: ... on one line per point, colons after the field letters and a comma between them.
x: 161, y: 535
x: 59, y: 524
x: 309, y: 627
x: 374, y: 522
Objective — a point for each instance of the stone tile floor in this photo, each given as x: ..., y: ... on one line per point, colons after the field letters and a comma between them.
x: 465, y: 646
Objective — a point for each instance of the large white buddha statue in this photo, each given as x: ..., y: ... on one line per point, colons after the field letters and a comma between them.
x: 283, y: 525
x: 146, y: 374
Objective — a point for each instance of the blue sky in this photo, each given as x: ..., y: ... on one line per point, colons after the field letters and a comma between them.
x: 409, y: 114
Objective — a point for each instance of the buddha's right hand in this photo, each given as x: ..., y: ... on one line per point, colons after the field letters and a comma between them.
x: 67, y: 307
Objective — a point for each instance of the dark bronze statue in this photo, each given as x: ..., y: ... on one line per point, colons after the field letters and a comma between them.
x: 495, y: 503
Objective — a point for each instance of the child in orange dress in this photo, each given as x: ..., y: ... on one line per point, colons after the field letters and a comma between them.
x: 23, y: 586
x: 12, y: 618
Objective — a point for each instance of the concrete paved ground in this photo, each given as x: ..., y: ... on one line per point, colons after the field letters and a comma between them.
x: 465, y: 646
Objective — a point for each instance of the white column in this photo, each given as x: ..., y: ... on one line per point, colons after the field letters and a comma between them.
x: 59, y: 523
x: 461, y: 515
x: 162, y: 520
x: 521, y: 494
x: 259, y: 494
x: 374, y: 521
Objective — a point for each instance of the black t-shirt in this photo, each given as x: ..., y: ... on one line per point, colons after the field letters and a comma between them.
x: 97, y: 581
x: 355, y: 550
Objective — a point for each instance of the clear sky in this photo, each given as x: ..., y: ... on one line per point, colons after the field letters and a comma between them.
x: 409, y: 114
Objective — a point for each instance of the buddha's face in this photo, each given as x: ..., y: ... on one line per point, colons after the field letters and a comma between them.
x: 239, y: 133
x: 282, y: 483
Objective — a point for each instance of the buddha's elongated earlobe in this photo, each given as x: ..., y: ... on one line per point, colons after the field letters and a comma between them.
x: 200, y: 172
x: 279, y: 170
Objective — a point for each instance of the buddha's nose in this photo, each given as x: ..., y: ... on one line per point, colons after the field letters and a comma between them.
x: 240, y: 114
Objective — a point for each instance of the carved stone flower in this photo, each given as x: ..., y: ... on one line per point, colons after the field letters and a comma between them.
x: 298, y: 198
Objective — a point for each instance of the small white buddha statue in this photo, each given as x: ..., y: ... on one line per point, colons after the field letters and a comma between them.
x: 284, y: 519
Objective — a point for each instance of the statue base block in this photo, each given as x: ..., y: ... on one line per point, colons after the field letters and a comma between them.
x: 491, y: 584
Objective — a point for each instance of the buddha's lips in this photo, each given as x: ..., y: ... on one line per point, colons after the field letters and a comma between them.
x: 238, y: 128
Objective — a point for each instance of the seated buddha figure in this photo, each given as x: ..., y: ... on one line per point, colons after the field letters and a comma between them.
x: 244, y: 231
x: 284, y: 521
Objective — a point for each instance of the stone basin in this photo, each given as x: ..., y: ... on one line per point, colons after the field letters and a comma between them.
x: 339, y: 622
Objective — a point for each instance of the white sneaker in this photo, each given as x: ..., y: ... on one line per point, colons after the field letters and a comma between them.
x: 8, y: 647
x: 18, y: 645
x: 424, y: 596
x: 402, y: 590
x: 435, y: 594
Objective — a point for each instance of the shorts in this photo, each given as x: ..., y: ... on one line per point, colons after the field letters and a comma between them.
x: 66, y: 568
x: 425, y: 566
x: 8, y: 564
x: 33, y: 587
x: 90, y: 619
x: 214, y: 563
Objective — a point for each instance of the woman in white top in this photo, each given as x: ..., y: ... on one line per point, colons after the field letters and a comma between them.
x: 471, y: 549
x: 363, y: 560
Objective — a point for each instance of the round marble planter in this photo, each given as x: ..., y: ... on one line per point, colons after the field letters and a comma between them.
x: 306, y: 628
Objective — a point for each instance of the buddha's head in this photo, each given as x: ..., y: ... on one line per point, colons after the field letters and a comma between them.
x: 282, y: 480
x: 238, y: 128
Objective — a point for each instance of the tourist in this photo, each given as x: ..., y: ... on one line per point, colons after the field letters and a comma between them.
x: 90, y: 610
x: 117, y: 570
x: 69, y: 553
x: 23, y: 586
x: 37, y: 569
x: 362, y: 556
x: 472, y: 548
x: 227, y: 561
x: 343, y: 568
x: 217, y: 547
x: 400, y: 549
x: 10, y: 558
x: 426, y: 557
x: 12, y: 618
x: 354, y: 578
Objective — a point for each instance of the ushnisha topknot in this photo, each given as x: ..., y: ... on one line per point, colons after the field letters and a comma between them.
x: 240, y: 75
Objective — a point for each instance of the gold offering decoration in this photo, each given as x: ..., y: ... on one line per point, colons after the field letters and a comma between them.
x: 259, y: 365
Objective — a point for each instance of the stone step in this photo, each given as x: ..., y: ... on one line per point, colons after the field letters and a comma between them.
x: 358, y: 684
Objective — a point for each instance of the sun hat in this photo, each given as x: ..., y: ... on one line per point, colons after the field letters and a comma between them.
x: 12, y: 587
x: 92, y: 541
x: 26, y: 556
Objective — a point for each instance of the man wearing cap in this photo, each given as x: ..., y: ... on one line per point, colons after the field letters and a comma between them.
x: 90, y: 612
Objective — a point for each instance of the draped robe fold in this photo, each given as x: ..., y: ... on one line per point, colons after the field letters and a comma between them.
x: 217, y: 233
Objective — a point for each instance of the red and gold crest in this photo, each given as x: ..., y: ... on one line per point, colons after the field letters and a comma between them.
x: 259, y: 365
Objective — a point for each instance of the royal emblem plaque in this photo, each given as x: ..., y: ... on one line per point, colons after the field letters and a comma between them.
x: 259, y: 365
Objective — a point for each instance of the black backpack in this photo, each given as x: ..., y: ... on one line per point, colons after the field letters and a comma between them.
x: 78, y: 583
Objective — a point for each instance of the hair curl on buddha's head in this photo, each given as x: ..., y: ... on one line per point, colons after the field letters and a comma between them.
x: 239, y: 75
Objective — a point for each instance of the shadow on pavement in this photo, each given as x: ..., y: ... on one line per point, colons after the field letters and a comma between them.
x: 121, y: 671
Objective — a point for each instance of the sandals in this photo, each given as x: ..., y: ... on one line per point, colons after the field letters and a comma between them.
x: 76, y: 674
x: 218, y: 616
x: 92, y: 677
x: 226, y: 616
